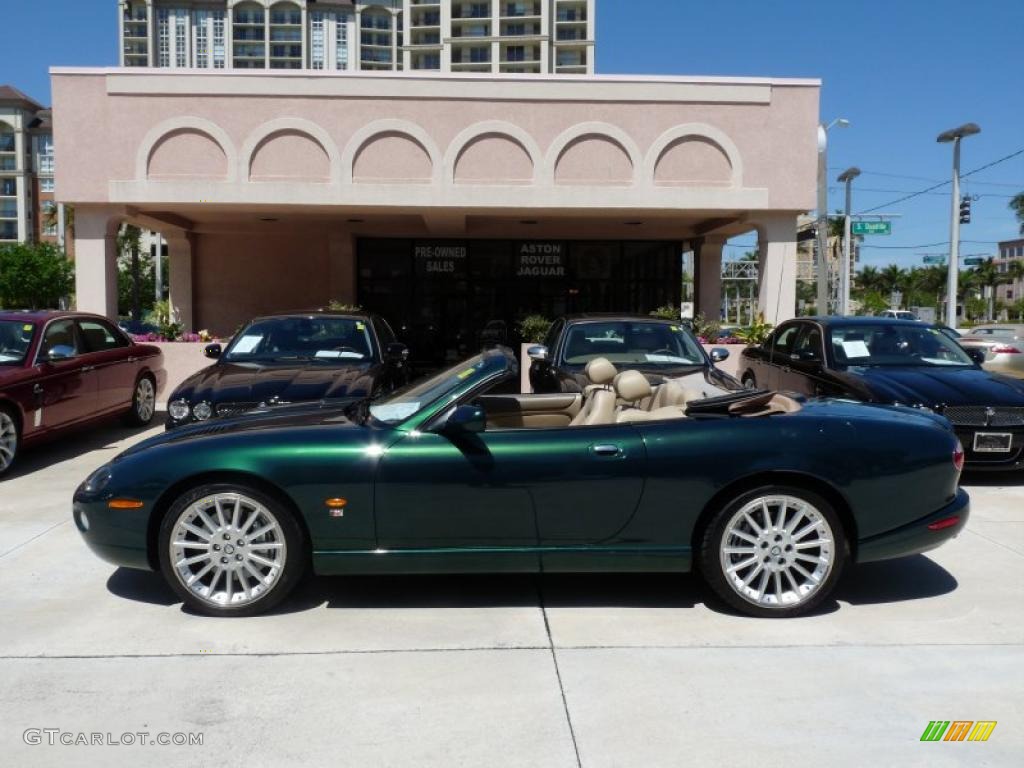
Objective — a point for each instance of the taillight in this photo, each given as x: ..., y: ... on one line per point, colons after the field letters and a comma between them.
x: 1005, y: 349
x: 958, y: 457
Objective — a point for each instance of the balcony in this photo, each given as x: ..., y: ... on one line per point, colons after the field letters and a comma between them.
x: 518, y: 10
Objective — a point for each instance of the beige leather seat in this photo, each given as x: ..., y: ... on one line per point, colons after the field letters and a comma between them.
x: 671, y: 393
x: 632, y: 387
x: 599, y: 397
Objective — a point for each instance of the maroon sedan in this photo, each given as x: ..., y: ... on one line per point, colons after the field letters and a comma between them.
x: 63, y: 370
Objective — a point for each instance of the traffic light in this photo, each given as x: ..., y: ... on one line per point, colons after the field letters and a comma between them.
x: 965, y: 210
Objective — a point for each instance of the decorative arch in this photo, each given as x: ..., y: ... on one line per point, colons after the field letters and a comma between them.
x: 597, y: 130
x: 497, y: 128
x: 201, y: 125
x: 701, y: 131
x: 307, y: 128
x: 366, y: 135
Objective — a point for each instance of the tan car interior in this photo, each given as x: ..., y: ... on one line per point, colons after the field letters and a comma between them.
x: 617, y: 398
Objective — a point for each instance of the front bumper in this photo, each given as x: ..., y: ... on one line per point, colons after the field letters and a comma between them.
x: 916, y: 537
x: 991, y: 462
x: 118, y: 536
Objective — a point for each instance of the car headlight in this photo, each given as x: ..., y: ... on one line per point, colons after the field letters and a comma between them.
x: 202, y: 411
x: 98, y: 480
x: 178, y: 409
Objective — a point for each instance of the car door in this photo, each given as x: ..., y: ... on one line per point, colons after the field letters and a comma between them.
x: 509, y: 489
x: 65, y: 392
x: 778, y: 347
x: 802, y: 373
x: 109, y: 353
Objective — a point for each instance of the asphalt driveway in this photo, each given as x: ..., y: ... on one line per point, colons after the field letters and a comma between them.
x: 560, y: 671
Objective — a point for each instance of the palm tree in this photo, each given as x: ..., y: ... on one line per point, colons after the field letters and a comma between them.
x: 1017, y: 206
x: 51, y: 218
x: 892, y: 278
x: 868, y: 279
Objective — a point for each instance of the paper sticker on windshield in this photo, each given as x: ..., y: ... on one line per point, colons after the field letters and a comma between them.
x: 334, y: 354
x: 856, y: 349
x: 27, y: 328
x: 466, y: 373
x: 247, y: 344
x: 360, y: 326
x: 676, y: 328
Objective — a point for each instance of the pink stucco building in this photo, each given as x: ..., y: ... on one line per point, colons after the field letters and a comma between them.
x: 435, y: 197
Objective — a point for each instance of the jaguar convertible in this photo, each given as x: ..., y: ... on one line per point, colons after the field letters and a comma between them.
x: 767, y: 496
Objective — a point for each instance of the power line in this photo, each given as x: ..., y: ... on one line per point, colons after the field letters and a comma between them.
x: 944, y: 183
x: 1014, y: 185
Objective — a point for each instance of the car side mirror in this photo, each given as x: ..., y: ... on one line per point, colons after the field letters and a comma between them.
x: 465, y: 420
x: 718, y: 354
x: 212, y: 351
x: 976, y: 354
x: 538, y: 353
x: 60, y: 352
x: 396, y: 352
x: 806, y: 356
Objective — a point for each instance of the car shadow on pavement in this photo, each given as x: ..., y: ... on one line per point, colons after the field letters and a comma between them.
x: 991, y: 479
x: 72, y: 445
x: 892, y: 581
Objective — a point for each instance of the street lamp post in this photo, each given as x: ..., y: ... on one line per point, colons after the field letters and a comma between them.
x: 823, y: 130
x: 954, y: 136
x: 846, y: 177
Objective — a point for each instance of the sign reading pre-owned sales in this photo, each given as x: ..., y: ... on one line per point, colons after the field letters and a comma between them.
x: 540, y: 260
x: 440, y: 260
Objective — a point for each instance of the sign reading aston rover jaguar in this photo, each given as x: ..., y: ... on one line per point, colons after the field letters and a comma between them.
x: 540, y: 260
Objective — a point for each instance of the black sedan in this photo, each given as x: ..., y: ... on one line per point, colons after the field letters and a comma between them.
x: 879, y: 360
x: 660, y: 349
x: 293, y: 358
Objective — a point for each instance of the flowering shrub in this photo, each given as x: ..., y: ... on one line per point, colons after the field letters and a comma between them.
x: 154, y: 337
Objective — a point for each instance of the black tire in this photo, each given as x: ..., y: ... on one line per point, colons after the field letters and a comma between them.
x: 749, y: 381
x: 710, y: 557
x: 9, y: 423
x: 296, y: 549
x: 139, y: 416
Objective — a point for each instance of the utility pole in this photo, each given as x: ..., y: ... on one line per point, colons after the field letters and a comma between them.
x: 823, y: 260
x: 846, y: 177
x: 955, y: 136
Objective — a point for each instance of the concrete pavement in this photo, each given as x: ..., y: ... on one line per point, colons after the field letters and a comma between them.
x: 566, y: 671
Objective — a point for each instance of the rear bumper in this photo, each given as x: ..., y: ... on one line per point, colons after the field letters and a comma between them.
x: 991, y: 462
x: 916, y: 537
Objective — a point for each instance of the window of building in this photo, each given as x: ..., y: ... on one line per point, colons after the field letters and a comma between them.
x: 46, y: 185
x: 49, y: 219
x: 181, y: 39
x: 163, y: 31
x: 7, y: 140
x: 8, y: 209
x: 8, y: 187
x: 249, y: 30
x: 341, y: 41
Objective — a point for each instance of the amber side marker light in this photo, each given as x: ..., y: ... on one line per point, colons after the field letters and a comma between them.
x: 945, y: 522
x: 337, y: 506
x: 125, y: 504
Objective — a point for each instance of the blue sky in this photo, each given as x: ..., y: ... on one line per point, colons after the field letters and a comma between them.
x: 901, y: 71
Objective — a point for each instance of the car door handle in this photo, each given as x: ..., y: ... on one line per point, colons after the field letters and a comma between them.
x: 87, y: 368
x: 37, y: 389
x: 606, y: 449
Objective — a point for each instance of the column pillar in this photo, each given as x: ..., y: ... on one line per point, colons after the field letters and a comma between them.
x: 96, y: 259
x: 341, y: 254
x: 181, y: 258
x: 709, y: 289
x: 777, y: 268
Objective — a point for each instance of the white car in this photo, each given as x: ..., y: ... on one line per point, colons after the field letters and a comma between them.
x: 898, y: 314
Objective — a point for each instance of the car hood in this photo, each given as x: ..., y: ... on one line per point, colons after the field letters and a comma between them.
x: 261, y: 383
x: 919, y: 385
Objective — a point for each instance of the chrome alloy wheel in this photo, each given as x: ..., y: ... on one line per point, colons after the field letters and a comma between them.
x: 228, y: 550
x: 145, y: 400
x: 777, y: 551
x: 8, y: 440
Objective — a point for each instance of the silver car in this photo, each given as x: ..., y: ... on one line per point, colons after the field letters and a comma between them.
x: 1003, y: 346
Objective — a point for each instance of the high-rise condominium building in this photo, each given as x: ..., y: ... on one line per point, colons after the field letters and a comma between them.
x: 519, y: 36
x: 26, y: 169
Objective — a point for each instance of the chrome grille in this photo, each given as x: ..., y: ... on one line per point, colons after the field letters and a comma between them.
x: 234, y: 409
x: 984, y: 416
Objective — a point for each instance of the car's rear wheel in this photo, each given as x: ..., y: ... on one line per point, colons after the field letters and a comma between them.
x: 143, y: 403
x: 231, y: 550
x: 9, y: 440
x: 775, y: 551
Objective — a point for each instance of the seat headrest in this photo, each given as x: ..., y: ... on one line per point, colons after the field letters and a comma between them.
x: 632, y: 386
x: 600, y: 371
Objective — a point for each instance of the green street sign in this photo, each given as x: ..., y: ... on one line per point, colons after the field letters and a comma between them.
x: 973, y: 261
x: 872, y: 227
x: 934, y: 259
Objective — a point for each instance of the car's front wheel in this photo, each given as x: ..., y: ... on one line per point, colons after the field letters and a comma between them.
x: 231, y: 550
x: 775, y: 551
x: 8, y: 441
x: 143, y: 403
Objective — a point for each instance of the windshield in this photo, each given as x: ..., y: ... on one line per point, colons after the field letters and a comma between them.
x: 650, y: 345
x: 286, y: 339
x: 403, y: 403
x: 895, y: 344
x: 15, y: 339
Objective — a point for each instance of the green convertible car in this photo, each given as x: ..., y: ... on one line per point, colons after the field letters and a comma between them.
x: 767, y: 496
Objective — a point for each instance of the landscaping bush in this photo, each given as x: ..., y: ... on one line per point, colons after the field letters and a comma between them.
x: 34, y: 276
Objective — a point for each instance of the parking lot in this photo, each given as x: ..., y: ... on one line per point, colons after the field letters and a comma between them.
x: 591, y: 670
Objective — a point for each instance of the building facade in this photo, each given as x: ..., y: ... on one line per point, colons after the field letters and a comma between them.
x: 494, y: 36
x: 1009, y: 262
x: 445, y: 201
x: 28, y: 212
